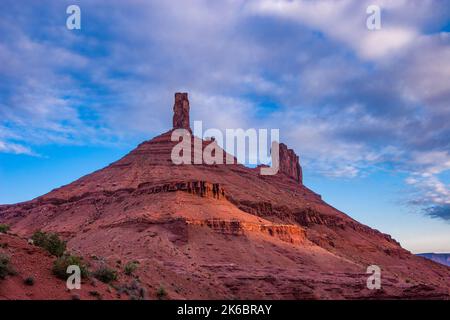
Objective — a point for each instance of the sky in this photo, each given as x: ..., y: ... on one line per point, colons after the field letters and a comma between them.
x: 367, y: 111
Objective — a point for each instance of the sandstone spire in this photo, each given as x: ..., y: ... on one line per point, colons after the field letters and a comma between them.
x: 181, y: 111
x: 289, y: 163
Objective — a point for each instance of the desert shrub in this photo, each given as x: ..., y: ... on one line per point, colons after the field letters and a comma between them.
x: 49, y: 242
x: 29, y: 281
x: 130, y: 267
x: 60, y: 266
x: 5, y: 266
x: 95, y: 294
x: 105, y: 274
x: 134, y: 290
x: 4, y: 228
x: 161, y: 293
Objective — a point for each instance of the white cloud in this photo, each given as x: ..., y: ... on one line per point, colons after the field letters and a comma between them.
x: 429, y: 189
x: 15, y: 148
x: 378, y: 44
x: 343, y: 21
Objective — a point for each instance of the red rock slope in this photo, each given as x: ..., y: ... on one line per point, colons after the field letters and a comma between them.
x: 224, y: 231
x: 29, y: 261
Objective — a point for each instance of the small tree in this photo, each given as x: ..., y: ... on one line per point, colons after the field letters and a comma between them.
x: 60, y: 266
x: 161, y: 293
x: 29, y: 281
x: 5, y: 266
x: 49, y: 242
x: 4, y: 228
x: 130, y: 267
x: 105, y: 274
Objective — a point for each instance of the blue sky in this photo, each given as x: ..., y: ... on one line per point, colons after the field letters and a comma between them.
x: 367, y: 111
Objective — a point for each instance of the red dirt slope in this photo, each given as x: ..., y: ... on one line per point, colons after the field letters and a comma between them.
x: 28, y: 261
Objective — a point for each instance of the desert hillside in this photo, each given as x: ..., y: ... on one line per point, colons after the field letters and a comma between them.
x: 217, y: 232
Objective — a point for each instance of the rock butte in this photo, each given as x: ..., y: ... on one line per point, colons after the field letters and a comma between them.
x: 222, y: 231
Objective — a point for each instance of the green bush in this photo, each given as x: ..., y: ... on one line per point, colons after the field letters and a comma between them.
x: 5, y: 267
x: 95, y: 294
x: 105, y: 274
x: 60, y: 266
x: 4, y: 228
x: 29, y: 281
x: 130, y: 267
x: 161, y: 293
x: 50, y: 242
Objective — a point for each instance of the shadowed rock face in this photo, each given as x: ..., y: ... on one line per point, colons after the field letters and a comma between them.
x: 289, y: 163
x: 181, y: 111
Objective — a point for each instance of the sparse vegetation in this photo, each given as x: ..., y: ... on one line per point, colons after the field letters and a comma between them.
x: 130, y: 268
x: 5, y: 267
x: 50, y: 242
x: 4, y: 228
x: 61, y: 264
x: 29, y: 281
x: 96, y: 294
x: 161, y: 293
x: 105, y: 274
x: 134, y: 290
